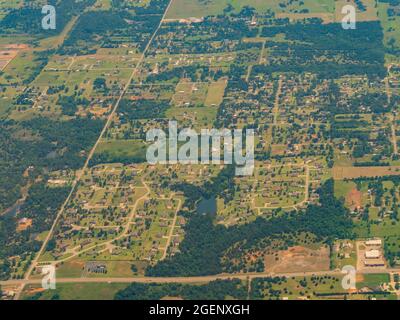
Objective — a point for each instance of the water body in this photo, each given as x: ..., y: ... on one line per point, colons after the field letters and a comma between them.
x: 207, y: 206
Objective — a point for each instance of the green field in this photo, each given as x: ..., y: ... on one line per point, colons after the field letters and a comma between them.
x: 199, y: 8
x: 373, y: 280
x: 391, y: 26
x: 87, y: 291
x: 122, y: 148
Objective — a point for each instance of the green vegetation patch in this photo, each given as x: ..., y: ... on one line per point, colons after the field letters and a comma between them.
x: 215, y: 290
x: 120, y: 151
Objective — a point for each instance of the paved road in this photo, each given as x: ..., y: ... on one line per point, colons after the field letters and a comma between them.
x: 171, y: 231
x: 204, y: 279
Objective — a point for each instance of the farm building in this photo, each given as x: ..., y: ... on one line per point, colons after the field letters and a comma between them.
x: 374, y: 263
x: 375, y: 242
x: 372, y: 254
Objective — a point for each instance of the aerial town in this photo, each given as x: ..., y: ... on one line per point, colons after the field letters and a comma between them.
x: 77, y: 190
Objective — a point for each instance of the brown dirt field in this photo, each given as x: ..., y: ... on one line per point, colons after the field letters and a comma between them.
x: 76, y: 264
x: 278, y: 149
x: 215, y: 94
x: 8, y: 54
x: 23, y: 225
x: 341, y: 173
x: 298, y: 259
x: 72, y: 268
x: 183, y: 92
x: 99, y: 111
x: 36, y: 290
x: 354, y: 199
x: 17, y: 46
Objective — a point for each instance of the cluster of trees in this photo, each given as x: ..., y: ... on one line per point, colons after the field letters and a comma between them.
x: 69, y: 104
x: 154, y: 7
x: 376, y: 102
x: 364, y: 102
x: 260, y: 287
x: 391, y: 2
x: 228, y: 31
x: 327, y: 222
x: 13, y: 163
x: 41, y: 59
x: 41, y: 143
x: 371, y: 164
x: 89, y: 26
x: 175, y: 74
x: 215, y: 290
x: 111, y: 157
x: 314, y: 48
x: 61, y: 143
x: 222, y: 185
x: 376, y: 186
x: 142, y: 109
x: 109, y: 29
x: 100, y: 84
x: 41, y: 206
x: 392, y: 252
x: 360, y: 5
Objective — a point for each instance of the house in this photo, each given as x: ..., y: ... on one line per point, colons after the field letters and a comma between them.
x: 95, y: 267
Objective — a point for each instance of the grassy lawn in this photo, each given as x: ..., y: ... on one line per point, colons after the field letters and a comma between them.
x: 122, y: 148
x: 78, y: 291
x: 342, y: 188
x: 391, y: 25
x: 373, y: 280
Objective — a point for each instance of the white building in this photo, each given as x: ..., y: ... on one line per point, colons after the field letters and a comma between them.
x: 375, y: 242
x: 372, y: 254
